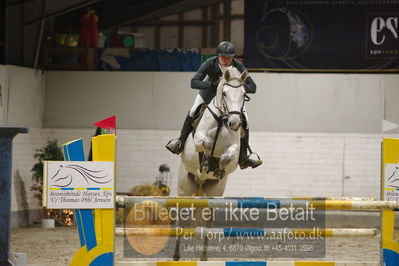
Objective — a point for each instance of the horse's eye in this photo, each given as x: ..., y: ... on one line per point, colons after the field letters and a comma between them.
x: 223, y: 94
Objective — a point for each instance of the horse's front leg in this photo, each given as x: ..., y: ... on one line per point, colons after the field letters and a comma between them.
x: 202, y: 142
x: 227, y: 157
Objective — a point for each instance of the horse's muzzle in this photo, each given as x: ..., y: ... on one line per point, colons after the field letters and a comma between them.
x: 234, y: 122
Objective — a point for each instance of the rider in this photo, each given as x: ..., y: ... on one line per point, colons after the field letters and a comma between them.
x: 213, y: 68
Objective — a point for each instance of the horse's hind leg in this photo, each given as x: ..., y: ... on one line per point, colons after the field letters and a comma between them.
x: 200, y: 192
x: 176, y: 255
x: 186, y: 185
x: 208, y: 224
x: 215, y: 188
x: 204, y: 254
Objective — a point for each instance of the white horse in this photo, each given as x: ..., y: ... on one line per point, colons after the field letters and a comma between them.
x: 217, y: 136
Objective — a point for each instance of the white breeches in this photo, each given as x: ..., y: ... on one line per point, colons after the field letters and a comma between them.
x: 198, y: 101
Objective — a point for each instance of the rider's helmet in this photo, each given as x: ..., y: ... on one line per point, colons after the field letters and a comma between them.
x: 225, y: 48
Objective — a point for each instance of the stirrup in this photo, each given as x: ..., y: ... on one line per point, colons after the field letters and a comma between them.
x: 259, y: 162
x: 177, y: 150
x: 250, y: 162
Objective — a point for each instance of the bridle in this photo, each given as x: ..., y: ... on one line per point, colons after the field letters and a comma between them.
x: 227, y: 112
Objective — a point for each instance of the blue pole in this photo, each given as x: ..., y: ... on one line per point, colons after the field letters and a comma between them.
x: 6, y: 136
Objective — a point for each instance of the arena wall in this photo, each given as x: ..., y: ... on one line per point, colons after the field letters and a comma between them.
x: 329, y: 103
x: 318, y: 134
x: 21, y: 96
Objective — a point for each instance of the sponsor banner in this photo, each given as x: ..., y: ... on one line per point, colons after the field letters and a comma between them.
x: 322, y: 35
x: 78, y: 185
x: 391, y: 182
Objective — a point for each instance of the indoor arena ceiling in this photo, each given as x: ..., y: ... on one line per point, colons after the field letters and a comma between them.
x: 25, y: 19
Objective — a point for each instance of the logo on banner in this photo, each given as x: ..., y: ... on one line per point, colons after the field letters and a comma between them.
x: 67, y: 175
x: 285, y: 33
x: 79, y: 185
x: 383, y: 36
x: 391, y: 182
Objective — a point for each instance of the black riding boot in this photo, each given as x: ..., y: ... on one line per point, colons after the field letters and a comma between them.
x: 176, y: 146
x: 244, y: 159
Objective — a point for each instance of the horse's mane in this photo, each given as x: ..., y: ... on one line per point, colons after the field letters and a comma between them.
x: 233, y: 71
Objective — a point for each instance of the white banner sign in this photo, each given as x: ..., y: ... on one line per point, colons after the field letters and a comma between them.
x: 78, y: 185
x: 391, y: 182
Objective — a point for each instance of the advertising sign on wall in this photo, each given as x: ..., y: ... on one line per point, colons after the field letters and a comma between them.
x: 323, y: 35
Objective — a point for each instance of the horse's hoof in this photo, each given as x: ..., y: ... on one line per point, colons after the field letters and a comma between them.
x: 205, y: 167
x: 219, y: 173
x: 207, y: 144
x: 224, y: 160
x: 204, y: 170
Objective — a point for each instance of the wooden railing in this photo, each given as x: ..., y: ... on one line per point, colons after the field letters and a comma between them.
x: 90, y: 55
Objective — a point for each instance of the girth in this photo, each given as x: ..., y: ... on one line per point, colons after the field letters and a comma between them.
x: 213, y: 162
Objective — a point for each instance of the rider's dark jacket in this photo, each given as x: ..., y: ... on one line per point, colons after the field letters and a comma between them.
x: 211, y: 69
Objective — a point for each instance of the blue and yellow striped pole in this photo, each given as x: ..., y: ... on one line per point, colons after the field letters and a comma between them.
x: 260, y: 203
x: 96, y: 227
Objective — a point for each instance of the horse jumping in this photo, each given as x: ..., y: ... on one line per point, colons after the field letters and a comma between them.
x: 211, y: 153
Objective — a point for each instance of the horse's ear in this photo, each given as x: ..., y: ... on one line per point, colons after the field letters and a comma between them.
x: 244, y: 75
x: 226, y: 75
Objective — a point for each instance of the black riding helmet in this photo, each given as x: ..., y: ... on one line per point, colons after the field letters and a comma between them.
x: 225, y: 49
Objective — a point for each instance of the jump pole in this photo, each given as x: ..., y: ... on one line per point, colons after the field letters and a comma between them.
x: 260, y: 203
x: 238, y: 232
